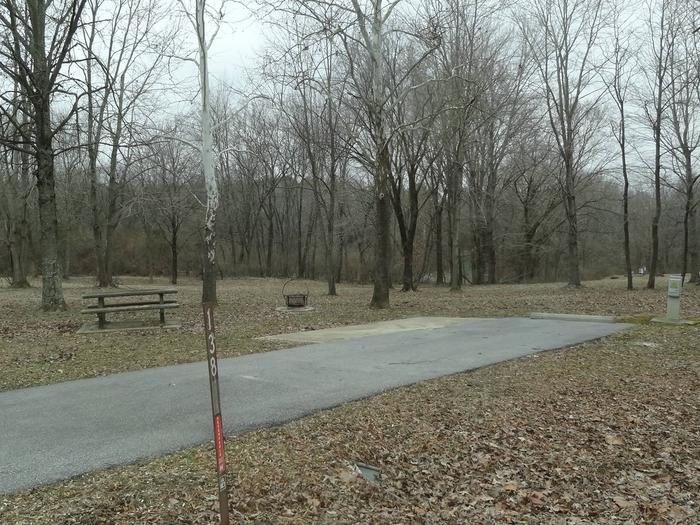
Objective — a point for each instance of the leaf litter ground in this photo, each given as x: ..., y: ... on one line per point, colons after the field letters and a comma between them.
x: 604, y: 432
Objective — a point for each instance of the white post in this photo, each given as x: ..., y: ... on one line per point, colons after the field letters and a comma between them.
x: 673, y: 306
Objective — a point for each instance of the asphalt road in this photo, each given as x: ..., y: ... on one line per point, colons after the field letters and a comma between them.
x: 59, y: 431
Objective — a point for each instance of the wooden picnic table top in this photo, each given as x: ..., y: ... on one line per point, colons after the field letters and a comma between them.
x: 130, y: 293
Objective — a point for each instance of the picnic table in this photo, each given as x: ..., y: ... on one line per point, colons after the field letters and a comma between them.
x: 146, y: 301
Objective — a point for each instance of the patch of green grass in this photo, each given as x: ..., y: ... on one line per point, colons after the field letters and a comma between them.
x: 635, y: 319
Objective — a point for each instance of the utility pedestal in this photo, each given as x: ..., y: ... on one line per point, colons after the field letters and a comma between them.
x: 673, y: 303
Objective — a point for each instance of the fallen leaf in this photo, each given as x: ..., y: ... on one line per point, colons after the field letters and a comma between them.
x: 511, y: 486
x: 348, y: 475
x: 623, y: 503
x: 613, y: 439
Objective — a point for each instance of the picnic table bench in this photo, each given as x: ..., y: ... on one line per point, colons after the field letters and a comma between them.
x: 101, y: 308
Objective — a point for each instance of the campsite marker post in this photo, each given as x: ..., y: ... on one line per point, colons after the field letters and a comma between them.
x: 213, y: 367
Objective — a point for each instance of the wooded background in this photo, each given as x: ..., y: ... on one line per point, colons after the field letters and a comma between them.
x: 404, y: 142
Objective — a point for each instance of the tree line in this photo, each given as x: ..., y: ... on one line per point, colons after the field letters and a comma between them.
x: 444, y: 142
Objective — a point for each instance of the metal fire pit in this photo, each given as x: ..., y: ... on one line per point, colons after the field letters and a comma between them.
x: 295, y: 300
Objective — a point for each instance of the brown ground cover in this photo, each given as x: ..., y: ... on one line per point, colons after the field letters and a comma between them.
x: 604, y: 432
x: 39, y: 348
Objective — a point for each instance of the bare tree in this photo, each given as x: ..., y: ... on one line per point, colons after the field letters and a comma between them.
x: 363, y: 28
x: 617, y: 82
x: 683, y: 138
x: 659, y: 61
x: 39, y: 38
x: 372, y: 22
x: 322, y: 89
x: 122, y: 63
x: 502, y: 109
x: 561, y: 36
x: 17, y: 188
x: 414, y: 116
x: 168, y: 195
x: 308, y: 61
x: 458, y: 24
x: 535, y: 189
x: 439, y: 196
x: 204, y: 14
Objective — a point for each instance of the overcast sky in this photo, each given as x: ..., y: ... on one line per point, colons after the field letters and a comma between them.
x: 235, y: 47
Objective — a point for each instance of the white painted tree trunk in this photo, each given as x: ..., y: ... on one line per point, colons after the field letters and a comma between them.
x: 209, y: 275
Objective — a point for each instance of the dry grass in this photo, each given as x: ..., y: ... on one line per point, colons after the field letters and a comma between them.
x: 605, y: 432
x: 39, y: 348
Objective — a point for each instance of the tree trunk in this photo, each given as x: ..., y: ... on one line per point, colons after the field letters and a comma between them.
x: 97, y: 235
x: 309, y: 238
x: 52, y: 277
x: 94, y: 136
x: 529, y: 256
x: 112, y: 219
x: 300, y: 237
x: 331, y: 276
x: 18, y: 246
x: 382, y: 160
x: 491, y: 254
x: 572, y: 223
x: 270, y: 245
x: 653, y: 263
x: 66, y: 255
x: 689, y: 200
x: 15, y: 201
x: 626, y: 226
x: 259, y: 241
x: 342, y: 258
x: 331, y: 262
x: 488, y: 239
x: 314, y: 247
x: 232, y: 239
x: 686, y: 221
x: 660, y: 74
x: 102, y: 280
x: 346, y: 258
x: 52, y: 286
x: 107, y: 270
x: 173, y: 257
x: 455, y: 259
x: 331, y: 265
x: 490, y: 204
x: 453, y: 215
x: 477, y: 259
x: 149, y: 254
x: 19, y: 275
x: 439, y: 264
x: 362, y: 263
x: 694, y: 248
x: 625, y: 197
x: 572, y: 242
x: 408, y: 282
x: 382, y: 248
x: 208, y: 169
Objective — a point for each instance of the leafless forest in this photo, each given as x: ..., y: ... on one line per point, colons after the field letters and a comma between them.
x: 403, y: 143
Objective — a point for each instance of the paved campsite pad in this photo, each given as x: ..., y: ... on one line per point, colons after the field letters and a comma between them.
x: 344, y: 333
x: 57, y: 431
